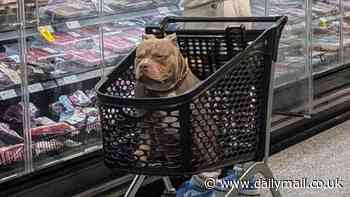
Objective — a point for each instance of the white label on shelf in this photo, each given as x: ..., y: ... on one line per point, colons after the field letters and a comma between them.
x: 73, y: 24
x: 90, y: 75
x: 37, y: 87
x: 7, y: 94
x: 70, y: 79
x: 163, y: 10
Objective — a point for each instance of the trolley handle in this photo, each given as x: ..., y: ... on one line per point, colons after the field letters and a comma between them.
x: 173, y: 19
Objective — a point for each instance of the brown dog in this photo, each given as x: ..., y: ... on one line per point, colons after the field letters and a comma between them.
x: 160, y: 71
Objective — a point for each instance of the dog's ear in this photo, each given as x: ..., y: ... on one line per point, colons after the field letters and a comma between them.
x: 148, y: 36
x: 172, y: 38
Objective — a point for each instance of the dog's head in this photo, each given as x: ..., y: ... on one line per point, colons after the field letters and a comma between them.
x: 158, y: 62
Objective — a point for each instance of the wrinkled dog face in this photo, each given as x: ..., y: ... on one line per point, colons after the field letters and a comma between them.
x: 156, y: 62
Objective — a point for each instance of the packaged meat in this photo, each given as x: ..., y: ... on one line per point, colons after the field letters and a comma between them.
x: 118, y: 44
x: 53, y: 129
x: 36, y: 74
x: 43, y: 121
x: 87, y: 57
x: 14, y: 113
x: 5, y: 81
x: 8, y: 136
x: 120, y: 5
x: 70, y: 9
x: 11, y: 154
x: 42, y: 147
x: 77, y: 119
x: 64, y: 39
x: 11, y: 74
x: 37, y: 54
x: 92, y: 95
x: 57, y: 108
x: 68, y: 106
x: 79, y: 98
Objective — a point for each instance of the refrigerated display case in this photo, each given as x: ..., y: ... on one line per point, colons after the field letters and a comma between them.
x: 53, y: 52
x: 51, y: 56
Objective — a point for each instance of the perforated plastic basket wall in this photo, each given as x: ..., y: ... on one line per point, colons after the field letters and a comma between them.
x: 219, y: 123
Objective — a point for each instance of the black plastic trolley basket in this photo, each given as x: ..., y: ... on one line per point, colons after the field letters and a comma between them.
x: 223, y: 121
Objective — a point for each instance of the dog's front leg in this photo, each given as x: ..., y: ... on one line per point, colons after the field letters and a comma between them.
x: 143, y: 151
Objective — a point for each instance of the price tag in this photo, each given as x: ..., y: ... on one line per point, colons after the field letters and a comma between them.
x: 47, y: 33
x: 37, y: 87
x: 73, y: 24
x: 90, y: 75
x: 163, y: 10
x: 68, y: 80
x: 7, y: 94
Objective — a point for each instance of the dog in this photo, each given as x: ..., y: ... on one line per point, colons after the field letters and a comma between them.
x: 162, y: 71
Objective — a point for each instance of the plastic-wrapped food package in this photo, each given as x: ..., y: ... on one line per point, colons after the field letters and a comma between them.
x: 87, y: 57
x: 77, y: 119
x: 35, y: 74
x: 93, y: 117
x: 14, y: 114
x: 79, y: 98
x: 88, y: 31
x: 45, y: 67
x: 123, y: 5
x: 11, y: 154
x: 64, y: 39
x: 326, y: 43
x: 118, y: 44
x: 92, y: 95
x: 40, y: 121
x: 67, y: 104
x: 11, y: 74
x: 69, y: 9
x: 9, y: 136
x: 42, y: 147
x: 59, y: 128
x: 5, y: 59
x: 5, y: 81
x: 57, y: 108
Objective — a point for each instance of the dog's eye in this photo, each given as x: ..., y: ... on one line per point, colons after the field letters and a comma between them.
x: 160, y: 56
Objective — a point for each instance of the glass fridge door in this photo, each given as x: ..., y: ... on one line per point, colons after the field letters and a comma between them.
x: 64, y: 64
x: 15, y: 150
x: 326, y: 49
x: 293, y: 70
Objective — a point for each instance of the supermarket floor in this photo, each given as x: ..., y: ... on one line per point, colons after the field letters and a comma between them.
x: 323, y: 157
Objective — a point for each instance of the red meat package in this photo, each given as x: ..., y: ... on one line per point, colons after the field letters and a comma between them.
x: 11, y: 154
x: 40, y: 54
x: 118, y: 44
x: 53, y: 129
x: 90, y: 57
x: 64, y: 39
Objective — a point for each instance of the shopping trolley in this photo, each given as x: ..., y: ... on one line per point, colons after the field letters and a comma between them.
x: 225, y: 120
